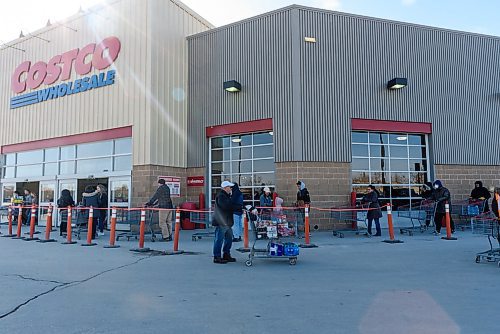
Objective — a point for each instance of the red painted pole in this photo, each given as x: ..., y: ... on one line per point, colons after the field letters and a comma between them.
x: 90, y: 228
x: 391, y: 240
x: 112, y: 232
x: 19, y: 222
x: 177, y: 229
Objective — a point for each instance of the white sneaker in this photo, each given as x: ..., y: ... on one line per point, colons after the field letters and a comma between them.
x: 437, y: 233
x: 100, y: 233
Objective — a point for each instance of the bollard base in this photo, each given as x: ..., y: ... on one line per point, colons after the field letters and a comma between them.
x: 46, y: 240
x: 396, y: 241
x: 68, y: 243
x: 36, y: 232
x: 111, y: 246
x: 141, y: 250
x: 16, y: 237
x: 177, y: 252
x: 308, y: 246
x: 88, y: 245
x: 450, y: 238
x: 243, y: 249
x: 30, y: 239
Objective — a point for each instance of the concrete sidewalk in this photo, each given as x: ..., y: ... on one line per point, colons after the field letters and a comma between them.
x: 349, y: 285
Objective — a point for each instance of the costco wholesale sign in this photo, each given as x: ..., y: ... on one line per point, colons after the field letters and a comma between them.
x: 82, y: 61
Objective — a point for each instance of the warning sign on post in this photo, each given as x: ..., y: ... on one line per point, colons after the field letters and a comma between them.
x: 174, y: 183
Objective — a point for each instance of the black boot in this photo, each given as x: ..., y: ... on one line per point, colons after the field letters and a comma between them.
x: 227, y: 257
x: 219, y: 260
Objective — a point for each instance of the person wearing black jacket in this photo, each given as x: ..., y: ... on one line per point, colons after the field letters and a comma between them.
x: 237, y: 198
x: 442, y: 196
x: 91, y: 199
x: 162, y: 198
x: 223, y: 221
x: 103, y: 206
x: 371, y: 198
x: 481, y: 193
x: 62, y: 203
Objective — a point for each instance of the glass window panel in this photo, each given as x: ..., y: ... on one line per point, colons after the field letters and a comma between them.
x: 384, y: 190
x: 379, y: 138
x: 242, y: 140
x: 88, y: 150
x: 399, y: 151
x: 417, y: 152
x: 379, y: 177
x: 244, y: 166
x: 400, y: 191
x: 360, y: 164
x: 67, y: 152
x: 416, y: 140
x: 29, y: 170
x: 360, y: 190
x: 10, y: 159
x: 398, y: 138
x: 123, y: 162
x: 221, y: 168
x: 123, y: 146
x: 244, y: 180
x: 399, y: 178
x: 263, y: 151
x: 359, y: 150
x: 262, y: 138
x: 215, y: 191
x: 67, y: 167
x: 379, y: 151
x: 418, y: 178
x: 47, y: 192
x: 397, y: 203
x: 221, y: 142
x: 93, y: 165
x: 71, y: 186
x: 418, y: 165
x: 241, y: 153
x: 399, y: 164
x: 220, y: 155
x: 247, y: 194
x: 8, y: 192
x: 216, y: 180
x: 360, y: 137
x: 120, y: 191
x: 30, y: 157
x: 379, y: 164
x: 51, y: 154
x: 50, y: 169
x: 9, y: 172
x: 415, y: 191
x: 360, y: 177
x: 267, y: 179
x: 265, y: 165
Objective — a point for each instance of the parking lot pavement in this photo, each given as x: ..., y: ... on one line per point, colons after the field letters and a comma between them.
x: 348, y: 285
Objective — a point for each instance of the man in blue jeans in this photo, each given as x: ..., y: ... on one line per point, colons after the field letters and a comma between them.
x: 223, y: 221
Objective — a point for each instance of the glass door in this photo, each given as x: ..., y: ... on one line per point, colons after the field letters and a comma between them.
x: 47, y: 196
x: 119, y: 197
x: 69, y: 184
x: 7, y: 192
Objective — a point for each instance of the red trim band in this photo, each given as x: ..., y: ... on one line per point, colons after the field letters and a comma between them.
x: 69, y: 140
x: 390, y: 126
x: 237, y: 128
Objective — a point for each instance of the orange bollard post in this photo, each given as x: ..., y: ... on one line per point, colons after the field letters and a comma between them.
x: 32, y: 225
x: 245, y: 247
x: 69, y: 231
x: 19, y: 223
x: 90, y: 228
x: 447, y: 220
x: 307, y: 230
x: 142, y: 229
x: 112, y: 232
x: 391, y: 227
x: 48, y: 227
x: 9, y: 218
x: 176, y: 234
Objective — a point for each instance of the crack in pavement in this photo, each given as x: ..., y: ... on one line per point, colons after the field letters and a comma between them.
x: 64, y: 285
x: 36, y: 279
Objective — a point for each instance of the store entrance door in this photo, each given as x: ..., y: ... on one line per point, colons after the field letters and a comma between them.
x: 83, y: 183
x: 47, y: 197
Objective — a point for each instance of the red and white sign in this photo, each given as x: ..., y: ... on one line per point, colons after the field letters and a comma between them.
x: 174, y: 183
x: 196, y: 181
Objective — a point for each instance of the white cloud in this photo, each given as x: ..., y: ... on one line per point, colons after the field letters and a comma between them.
x: 330, y: 4
x: 408, y: 2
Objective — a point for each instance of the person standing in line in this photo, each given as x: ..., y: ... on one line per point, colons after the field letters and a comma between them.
x: 162, y: 198
x: 481, y: 193
x: 374, y: 214
x: 303, y: 199
x: 494, y: 201
x: 223, y: 222
x: 91, y: 199
x: 62, y: 203
x: 27, y: 202
x: 266, y: 201
x: 237, y: 199
x: 441, y: 195
x: 103, y: 208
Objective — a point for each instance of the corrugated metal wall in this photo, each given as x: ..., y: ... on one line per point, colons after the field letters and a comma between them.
x: 452, y: 83
x: 142, y: 74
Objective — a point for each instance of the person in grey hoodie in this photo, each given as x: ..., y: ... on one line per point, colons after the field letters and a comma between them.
x: 162, y: 198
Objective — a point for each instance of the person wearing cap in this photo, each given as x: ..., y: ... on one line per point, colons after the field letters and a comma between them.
x: 162, y: 198
x: 266, y: 200
x: 442, y: 196
x: 481, y: 193
x: 223, y: 222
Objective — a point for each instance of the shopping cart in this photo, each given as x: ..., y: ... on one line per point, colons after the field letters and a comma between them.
x: 272, y: 229
x: 352, y: 218
x: 487, y: 224
x: 421, y: 215
x: 203, y: 218
x: 467, y: 210
x: 133, y: 219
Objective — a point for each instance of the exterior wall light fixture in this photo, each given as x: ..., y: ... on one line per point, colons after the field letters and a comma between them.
x: 397, y: 83
x: 232, y: 86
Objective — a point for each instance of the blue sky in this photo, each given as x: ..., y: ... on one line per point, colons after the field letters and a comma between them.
x: 480, y: 16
